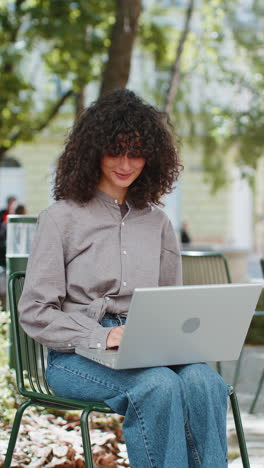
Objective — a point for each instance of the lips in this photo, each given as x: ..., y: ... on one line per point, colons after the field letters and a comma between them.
x: 123, y: 176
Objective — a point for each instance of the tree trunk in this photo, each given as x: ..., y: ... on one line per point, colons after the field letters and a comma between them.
x: 79, y: 102
x: 175, y: 71
x: 124, y: 31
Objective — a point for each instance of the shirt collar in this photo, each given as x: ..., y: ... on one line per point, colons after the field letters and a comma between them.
x: 106, y: 198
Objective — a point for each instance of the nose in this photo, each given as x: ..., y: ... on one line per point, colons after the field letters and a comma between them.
x: 125, y: 163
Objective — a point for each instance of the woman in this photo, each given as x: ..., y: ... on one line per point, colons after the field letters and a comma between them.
x: 103, y: 237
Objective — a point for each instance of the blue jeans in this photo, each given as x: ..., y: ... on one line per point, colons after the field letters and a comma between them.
x: 174, y: 416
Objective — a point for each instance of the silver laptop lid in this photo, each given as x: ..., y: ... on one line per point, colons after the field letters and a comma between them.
x: 186, y: 324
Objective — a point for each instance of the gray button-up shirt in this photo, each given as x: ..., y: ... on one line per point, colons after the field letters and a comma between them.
x: 85, y: 261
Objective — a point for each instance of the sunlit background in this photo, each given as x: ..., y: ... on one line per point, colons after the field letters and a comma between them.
x: 201, y: 60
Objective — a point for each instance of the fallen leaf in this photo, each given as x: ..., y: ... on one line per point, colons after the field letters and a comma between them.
x: 106, y: 459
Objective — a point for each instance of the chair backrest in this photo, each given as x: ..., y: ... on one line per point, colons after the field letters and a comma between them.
x: 30, y: 356
x: 204, y: 268
x: 262, y: 266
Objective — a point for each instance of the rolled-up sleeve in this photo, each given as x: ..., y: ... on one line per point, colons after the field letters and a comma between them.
x: 41, y: 304
x: 170, y: 258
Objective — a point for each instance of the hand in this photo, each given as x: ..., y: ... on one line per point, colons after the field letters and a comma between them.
x: 115, y: 336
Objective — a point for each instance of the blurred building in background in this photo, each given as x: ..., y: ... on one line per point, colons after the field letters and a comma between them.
x: 232, y: 218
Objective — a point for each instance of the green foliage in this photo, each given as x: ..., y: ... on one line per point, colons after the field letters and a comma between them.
x: 71, y: 38
x: 255, y: 332
x: 237, y: 126
x: 76, y: 35
x: 154, y: 36
x: 9, y: 397
x: 219, y: 101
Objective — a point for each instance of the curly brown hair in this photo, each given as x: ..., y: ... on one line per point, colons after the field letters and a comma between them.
x: 115, y: 124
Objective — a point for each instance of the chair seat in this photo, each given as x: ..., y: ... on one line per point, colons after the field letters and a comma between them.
x: 66, y: 403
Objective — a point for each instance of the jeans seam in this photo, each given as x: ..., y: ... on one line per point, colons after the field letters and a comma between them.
x: 192, y: 445
x: 141, y: 420
x: 86, y: 376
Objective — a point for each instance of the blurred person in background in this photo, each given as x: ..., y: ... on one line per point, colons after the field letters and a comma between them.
x: 20, y: 210
x: 11, y: 204
x: 185, y: 235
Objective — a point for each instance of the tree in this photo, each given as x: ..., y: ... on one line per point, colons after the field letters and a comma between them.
x: 25, y: 26
x: 72, y: 39
x: 123, y: 35
x: 233, y: 127
x: 222, y: 56
x: 174, y: 79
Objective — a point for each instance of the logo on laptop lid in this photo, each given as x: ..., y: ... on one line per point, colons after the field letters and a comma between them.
x: 191, y: 325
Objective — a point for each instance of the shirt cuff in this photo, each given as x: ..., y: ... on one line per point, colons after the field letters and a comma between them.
x: 98, y: 337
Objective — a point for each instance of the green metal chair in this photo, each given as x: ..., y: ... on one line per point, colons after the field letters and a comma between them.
x: 204, y: 268
x: 211, y: 268
x: 30, y: 357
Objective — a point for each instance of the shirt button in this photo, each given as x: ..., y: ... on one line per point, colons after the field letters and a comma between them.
x: 123, y: 223
x: 124, y: 283
x: 108, y: 298
x: 124, y: 252
x: 69, y: 345
x: 98, y: 345
x: 116, y: 202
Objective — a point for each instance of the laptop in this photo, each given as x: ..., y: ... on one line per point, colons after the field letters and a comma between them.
x: 182, y: 325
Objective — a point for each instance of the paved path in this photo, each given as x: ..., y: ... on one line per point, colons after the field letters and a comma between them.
x: 251, y: 368
x: 254, y: 433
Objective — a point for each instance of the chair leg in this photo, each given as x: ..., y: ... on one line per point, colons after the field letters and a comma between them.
x: 252, y: 407
x: 86, y: 438
x: 237, y: 369
x: 239, y: 429
x: 14, y: 432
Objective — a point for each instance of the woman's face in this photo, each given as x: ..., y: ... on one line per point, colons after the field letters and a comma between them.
x: 119, y: 172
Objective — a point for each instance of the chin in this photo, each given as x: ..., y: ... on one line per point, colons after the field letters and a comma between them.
x: 123, y: 183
